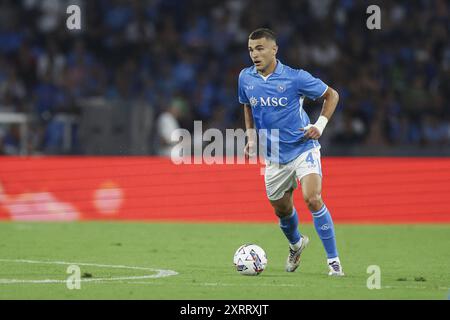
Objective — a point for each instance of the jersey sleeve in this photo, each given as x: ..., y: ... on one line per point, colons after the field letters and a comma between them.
x: 241, y: 93
x: 309, y: 86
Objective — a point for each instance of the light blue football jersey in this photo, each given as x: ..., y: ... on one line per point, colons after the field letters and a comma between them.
x: 277, y: 103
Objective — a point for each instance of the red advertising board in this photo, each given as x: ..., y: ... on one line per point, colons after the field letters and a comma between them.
x: 356, y: 190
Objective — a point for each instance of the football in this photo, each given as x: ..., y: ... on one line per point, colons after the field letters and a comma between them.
x: 250, y: 260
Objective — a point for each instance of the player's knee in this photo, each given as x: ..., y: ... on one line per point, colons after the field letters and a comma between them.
x: 314, y: 201
x: 283, y: 210
x: 283, y: 213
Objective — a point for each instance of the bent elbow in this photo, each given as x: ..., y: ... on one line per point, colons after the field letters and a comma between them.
x: 335, y: 95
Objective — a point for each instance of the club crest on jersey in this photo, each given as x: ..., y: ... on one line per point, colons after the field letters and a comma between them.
x: 281, y: 88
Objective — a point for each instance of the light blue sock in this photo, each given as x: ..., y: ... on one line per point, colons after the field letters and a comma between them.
x: 325, y: 229
x: 289, y: 226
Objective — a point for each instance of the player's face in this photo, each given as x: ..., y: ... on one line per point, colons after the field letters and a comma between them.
x: 262, y: 52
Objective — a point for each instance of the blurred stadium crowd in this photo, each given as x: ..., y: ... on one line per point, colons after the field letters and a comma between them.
x: 183, y: 58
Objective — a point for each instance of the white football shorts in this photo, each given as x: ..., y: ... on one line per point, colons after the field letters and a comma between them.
x: 280, y: 178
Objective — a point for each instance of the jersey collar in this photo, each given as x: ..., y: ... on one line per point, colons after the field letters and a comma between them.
x: 278, y: 69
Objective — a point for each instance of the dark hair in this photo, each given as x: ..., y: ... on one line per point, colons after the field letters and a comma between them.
x: 263, y: 33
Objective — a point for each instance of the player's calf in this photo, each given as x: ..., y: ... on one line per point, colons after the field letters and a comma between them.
x: 283, y: 207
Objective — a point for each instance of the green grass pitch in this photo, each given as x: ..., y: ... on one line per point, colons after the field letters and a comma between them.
x: 414, y: 261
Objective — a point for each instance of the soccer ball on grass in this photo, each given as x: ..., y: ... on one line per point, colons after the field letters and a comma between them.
x: 250, y: 260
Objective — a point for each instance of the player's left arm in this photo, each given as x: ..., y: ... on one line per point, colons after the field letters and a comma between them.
x: 331, y: 99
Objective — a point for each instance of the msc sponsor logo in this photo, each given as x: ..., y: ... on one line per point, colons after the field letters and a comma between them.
x: 268, y: 102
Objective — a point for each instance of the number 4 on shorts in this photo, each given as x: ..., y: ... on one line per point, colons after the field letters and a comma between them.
x: 309, y: 158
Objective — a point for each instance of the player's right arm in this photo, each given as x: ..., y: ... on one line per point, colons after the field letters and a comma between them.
x: 250, y: 147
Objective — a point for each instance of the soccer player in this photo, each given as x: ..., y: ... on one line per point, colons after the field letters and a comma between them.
x: 272, y: 95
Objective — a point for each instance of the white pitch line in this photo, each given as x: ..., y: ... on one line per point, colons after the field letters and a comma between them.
x: 160, y: 272
x: 247, y: 285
